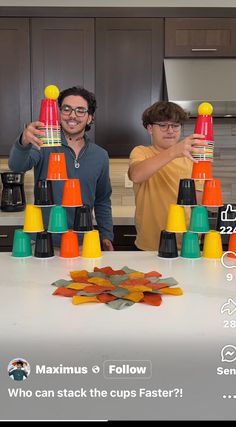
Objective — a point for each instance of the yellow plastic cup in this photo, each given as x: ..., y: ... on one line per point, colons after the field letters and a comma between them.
x: 33, y: 221
x: 212, y: 246
x: 176, y: 221
x: 91, y: 245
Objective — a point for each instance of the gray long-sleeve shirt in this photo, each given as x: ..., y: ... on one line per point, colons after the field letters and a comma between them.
x: 93, y: 174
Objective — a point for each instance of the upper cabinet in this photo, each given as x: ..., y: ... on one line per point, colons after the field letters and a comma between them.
x: 125, y: 71
x: 129, y: 73
x: 119, y: 59
x: 200, y: 37
x: 14, y: 80
x: 62, y: 52
x: 35, y: 53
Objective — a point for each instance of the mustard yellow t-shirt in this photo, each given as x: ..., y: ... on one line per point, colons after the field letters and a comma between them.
x: 154, y: 196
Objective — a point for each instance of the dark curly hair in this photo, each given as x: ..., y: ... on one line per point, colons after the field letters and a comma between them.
x: 80, y: 91
x: 164, y: 111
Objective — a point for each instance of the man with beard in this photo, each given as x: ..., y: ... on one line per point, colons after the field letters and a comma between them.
x: 85, y: 160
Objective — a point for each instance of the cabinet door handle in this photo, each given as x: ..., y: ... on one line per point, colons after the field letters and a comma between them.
x: 3, y: 236
x: 204, y: 50
x: 129, y: 235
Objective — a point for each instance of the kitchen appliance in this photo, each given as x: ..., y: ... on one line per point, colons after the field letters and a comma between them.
x: 13, y: 194
x: 191, y: 81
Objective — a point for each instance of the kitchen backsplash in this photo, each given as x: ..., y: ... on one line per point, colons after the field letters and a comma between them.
x: 224, y: 168
x: 121, y: 196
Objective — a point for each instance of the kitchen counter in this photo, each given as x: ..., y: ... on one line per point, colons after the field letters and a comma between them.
x: 12, y: 218
x: 122, y: 215
x: 182, y: 339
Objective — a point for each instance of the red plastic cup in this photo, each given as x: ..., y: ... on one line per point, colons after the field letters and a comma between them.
x: 57, y: 167
x: 202, y: 170
x: 72, y: 193
x: 212, y: 195
x: 204, y: 126
x: 49, y: 113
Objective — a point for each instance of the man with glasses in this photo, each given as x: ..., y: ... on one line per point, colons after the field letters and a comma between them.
x: 85, y: 160
x: 157, y: 169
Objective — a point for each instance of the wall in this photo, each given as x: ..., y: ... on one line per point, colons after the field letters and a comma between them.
x: 119, y: 3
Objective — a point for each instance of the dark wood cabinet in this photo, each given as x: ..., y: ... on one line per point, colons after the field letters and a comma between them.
x: 120, y: 59
x: 6, y: 237
x: 200, y: 37
x: 14, y: 80
x: 35, y: 53
x: 62, y: 53
x: 129, y: 73
x: 124, y: 237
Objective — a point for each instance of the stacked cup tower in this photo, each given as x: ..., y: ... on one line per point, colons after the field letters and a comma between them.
x: 44, y: 198
x: 212, y: 198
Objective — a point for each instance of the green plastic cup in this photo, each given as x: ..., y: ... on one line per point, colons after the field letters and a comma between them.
x: 199, y: 222
x: 21, y: 244
x: 57, y: 220
x: 190, y: 245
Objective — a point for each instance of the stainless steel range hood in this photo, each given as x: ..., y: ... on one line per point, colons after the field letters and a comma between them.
x: 192, y: 81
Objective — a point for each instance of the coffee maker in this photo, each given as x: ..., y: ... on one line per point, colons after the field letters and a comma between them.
x: 13, y: 194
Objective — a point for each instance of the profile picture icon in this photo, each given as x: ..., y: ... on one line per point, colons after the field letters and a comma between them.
x: 18, y: 369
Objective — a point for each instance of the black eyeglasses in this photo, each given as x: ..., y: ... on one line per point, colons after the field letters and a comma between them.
x: 79, y: 111
x: 165, y: 126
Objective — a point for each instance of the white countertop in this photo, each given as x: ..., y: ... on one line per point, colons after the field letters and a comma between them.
x: 203, y: 281
x: 122, y: 215
x: 182, y: 338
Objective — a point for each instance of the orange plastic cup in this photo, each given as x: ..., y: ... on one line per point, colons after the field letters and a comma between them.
x: 232, y: 245
x: 202, y: 170
x: 212, y: 195
x: 57, y: 167
x: 69, y: 245
x: 72, y: 193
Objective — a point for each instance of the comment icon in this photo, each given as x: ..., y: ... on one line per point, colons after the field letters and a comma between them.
x: 228, y: 259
